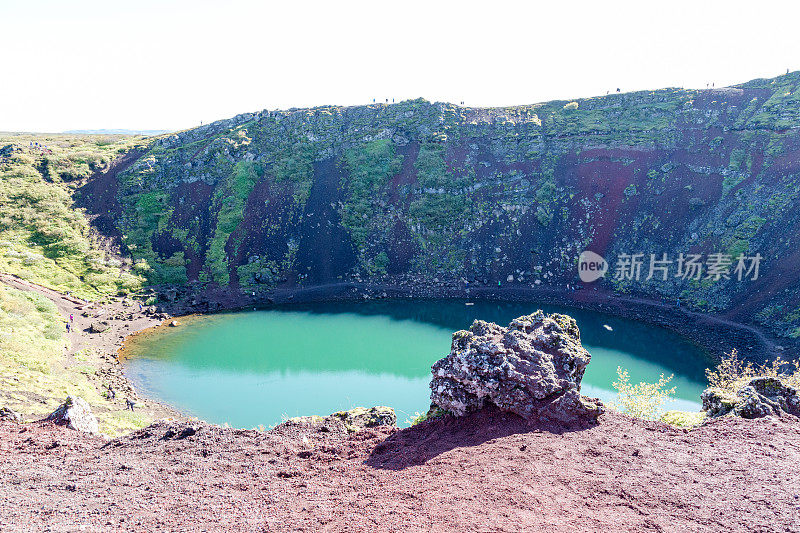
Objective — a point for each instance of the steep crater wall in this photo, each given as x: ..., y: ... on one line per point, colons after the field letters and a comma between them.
x: 436, y: 192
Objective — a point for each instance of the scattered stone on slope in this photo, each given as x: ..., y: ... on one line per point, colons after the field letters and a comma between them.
x: 532, y: 368
x: 760, y: 396
x: 76, y: 414
x: 8, y: 414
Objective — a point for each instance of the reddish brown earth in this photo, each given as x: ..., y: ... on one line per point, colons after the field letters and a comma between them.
x: 487, y: 472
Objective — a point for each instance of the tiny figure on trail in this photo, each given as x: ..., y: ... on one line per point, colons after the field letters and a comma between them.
x: 111, y: 394
x: 140, y: 307
x: 67, y: 327
x: 71, y: 318
x: 129, y: 404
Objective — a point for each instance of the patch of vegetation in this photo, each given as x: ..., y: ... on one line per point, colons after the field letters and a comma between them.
x: 42, y: 237
x: 229, y: 201
x: 440, y: 208
x: 370, y: 165
x: 739, y: 242
x: 683, y: 419
x: 417, y: 417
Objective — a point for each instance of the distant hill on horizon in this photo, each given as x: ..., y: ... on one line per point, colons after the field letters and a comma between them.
x: 117, y: 132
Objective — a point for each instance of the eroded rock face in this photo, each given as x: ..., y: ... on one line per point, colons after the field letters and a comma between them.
x: 532, y: 368
x: 76, y: 414
x: 761, y: 396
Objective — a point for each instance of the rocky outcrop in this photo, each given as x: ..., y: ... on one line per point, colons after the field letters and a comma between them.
x: 361, y: 417
x: 98, y: 327
x: 532, y: 368
x: 350, y: 421
x: 760, y: 396
x: 76, y: 414
x: 8, y: 414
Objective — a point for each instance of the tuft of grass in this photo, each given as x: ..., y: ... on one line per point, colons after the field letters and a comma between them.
x: 417, y: 417
x: 683, y: 419
x: 641, y: 400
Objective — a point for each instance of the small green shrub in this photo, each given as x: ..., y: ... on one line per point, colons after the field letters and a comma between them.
x: 642, y: 400
x: 417, y: 417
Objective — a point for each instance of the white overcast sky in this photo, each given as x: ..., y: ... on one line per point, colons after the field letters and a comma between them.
x: 170, y: 64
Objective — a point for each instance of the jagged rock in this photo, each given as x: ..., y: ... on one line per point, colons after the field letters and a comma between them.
x: 760, y: 396
x: 76, y: 414
x: 532, y: 368
x: 174, y: 324
x: 361, y: 417
x: 8, y: 414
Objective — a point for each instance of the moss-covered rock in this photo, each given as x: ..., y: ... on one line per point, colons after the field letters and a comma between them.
x: 360, y: 417
x: 754, y: 398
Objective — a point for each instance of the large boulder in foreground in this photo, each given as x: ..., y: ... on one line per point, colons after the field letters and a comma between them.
x: 76, y: 414
x: 532, y: 368
x: 757, y: 397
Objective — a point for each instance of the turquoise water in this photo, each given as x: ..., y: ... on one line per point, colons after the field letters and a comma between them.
x: 256, y: 368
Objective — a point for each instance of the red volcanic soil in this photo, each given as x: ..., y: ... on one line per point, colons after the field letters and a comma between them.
x: 486, y: 472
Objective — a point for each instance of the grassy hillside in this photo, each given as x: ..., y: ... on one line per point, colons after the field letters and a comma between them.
x: 35, y: 372
x: 43, y: 238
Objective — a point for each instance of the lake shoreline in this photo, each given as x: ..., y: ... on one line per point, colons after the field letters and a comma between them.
x: 713, y: 333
